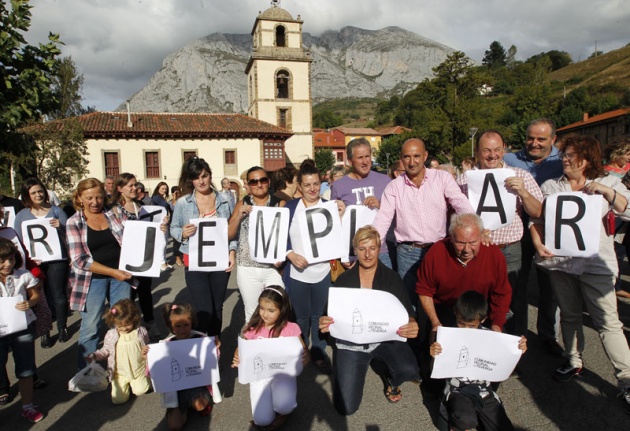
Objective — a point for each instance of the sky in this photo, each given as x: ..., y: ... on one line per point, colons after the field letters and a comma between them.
x: 117, y: 45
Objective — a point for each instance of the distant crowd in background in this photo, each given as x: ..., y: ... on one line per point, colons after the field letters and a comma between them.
x: 426, y: 246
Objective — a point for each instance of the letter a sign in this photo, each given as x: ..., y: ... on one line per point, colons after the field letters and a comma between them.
x: 573, y: 223
x: 492, y: 201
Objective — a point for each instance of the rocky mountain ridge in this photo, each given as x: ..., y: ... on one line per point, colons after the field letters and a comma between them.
x: 207, y: 75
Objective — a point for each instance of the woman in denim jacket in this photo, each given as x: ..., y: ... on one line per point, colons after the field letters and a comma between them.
x: 201, y: 200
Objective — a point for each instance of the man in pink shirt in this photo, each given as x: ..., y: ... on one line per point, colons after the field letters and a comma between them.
x: 420, y: 199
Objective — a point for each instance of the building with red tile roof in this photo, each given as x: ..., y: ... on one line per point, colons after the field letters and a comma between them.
x: 328, y: 139
x: 603, y: 127
x: 153, y: 146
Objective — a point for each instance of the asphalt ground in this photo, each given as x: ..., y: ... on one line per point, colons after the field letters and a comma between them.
x: 532, y: 398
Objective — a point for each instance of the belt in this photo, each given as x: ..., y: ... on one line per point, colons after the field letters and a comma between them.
x: 507, y: 245
x: 418, y: 244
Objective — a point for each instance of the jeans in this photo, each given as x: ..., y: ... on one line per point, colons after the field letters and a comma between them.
x: 56, y: 286
x: 145, y: 297
x: 385, y: 259
x: 517, y: 324
x: 309, y: 301
x: 207, y: 291
x: 23, y: 346
x: 251, y: 281
x: 409, y: 259
x: 350, y: 368
x: 91, y: 319
x: 547, y: 323
x: 598, y: 294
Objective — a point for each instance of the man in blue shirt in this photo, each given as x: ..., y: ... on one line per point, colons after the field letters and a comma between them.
x: 541, y: 159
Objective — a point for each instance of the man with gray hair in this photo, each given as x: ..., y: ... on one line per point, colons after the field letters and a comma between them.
x: 362, y: 186
x: 460, y: 263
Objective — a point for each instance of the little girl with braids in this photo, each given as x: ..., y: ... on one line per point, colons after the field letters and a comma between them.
x: 123, y: 350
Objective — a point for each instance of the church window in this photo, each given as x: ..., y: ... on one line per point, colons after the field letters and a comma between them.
x: 282, y: 84
x: 280, y: 36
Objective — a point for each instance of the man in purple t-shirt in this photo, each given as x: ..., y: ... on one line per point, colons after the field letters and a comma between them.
x: 362, y: 186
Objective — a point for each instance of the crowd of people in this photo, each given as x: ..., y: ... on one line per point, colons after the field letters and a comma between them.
x: 426, y: 246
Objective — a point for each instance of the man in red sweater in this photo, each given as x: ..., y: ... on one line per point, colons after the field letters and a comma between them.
x: 459, y: 263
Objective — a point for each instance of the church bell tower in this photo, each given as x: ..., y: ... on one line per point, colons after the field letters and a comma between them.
x: 279, y: 85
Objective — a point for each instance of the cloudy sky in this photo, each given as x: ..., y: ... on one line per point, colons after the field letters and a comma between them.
x: 119, y: 44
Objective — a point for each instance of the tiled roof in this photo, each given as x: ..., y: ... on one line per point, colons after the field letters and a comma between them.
x: 326, y: 139
x: 596, y: 119
x: 111, y: 125
x: 361, y: 131
x: 394, y: 130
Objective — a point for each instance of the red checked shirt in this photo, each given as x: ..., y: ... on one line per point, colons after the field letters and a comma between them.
x: 514, y: 231
x: 80, y: 257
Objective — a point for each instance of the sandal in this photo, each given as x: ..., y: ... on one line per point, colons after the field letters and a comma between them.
x: 393, y: 394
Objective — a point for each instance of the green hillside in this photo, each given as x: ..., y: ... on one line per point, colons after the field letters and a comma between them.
x: 612, y: 68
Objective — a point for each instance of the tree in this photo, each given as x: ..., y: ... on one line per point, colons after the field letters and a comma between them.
x: 324, y: 160
x: 327, y: 120
x: 25, y: 78
x: 58, y: 152
x: 25, y: 70
x: 596, y: 54
x: 67, y: 86
x: 510, y: 57
x: 494, y: 57
x: 559, y: 59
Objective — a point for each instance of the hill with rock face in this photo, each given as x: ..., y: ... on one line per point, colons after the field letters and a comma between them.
x: 207, y: 75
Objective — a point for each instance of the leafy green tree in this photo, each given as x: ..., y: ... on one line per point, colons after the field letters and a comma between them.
x: 59, y: 152
x: 558, y: 59
x: 25, y: 70
x: 327, y: 120
x: 324, y: 160
x: 392, y: 146
x: 67, y: 85
x: 25, y: 79
x: 494, y: 57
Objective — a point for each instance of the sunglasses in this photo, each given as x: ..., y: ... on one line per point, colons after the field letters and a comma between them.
x: 263, y: 181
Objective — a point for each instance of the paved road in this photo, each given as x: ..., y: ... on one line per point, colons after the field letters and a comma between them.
x: 534, y: 401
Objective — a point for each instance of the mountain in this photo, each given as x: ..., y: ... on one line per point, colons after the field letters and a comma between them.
x: 207, y: 75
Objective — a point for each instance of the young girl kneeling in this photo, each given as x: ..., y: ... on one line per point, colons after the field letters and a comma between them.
x: 273, y: 398
x: 122, y: 348
x: 15, y: 282
x: 180, y: 319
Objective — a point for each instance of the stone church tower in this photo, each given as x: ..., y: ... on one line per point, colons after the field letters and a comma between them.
x: 279, y: 85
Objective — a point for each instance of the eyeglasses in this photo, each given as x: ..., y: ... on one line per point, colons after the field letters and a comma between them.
x: 569, y: 156
x: 263, y: 181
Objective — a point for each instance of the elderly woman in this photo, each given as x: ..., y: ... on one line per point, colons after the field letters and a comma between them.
x: 94, y: 241
x: 589, y: 281
x: 252, y: 276
x: 351, y: 360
